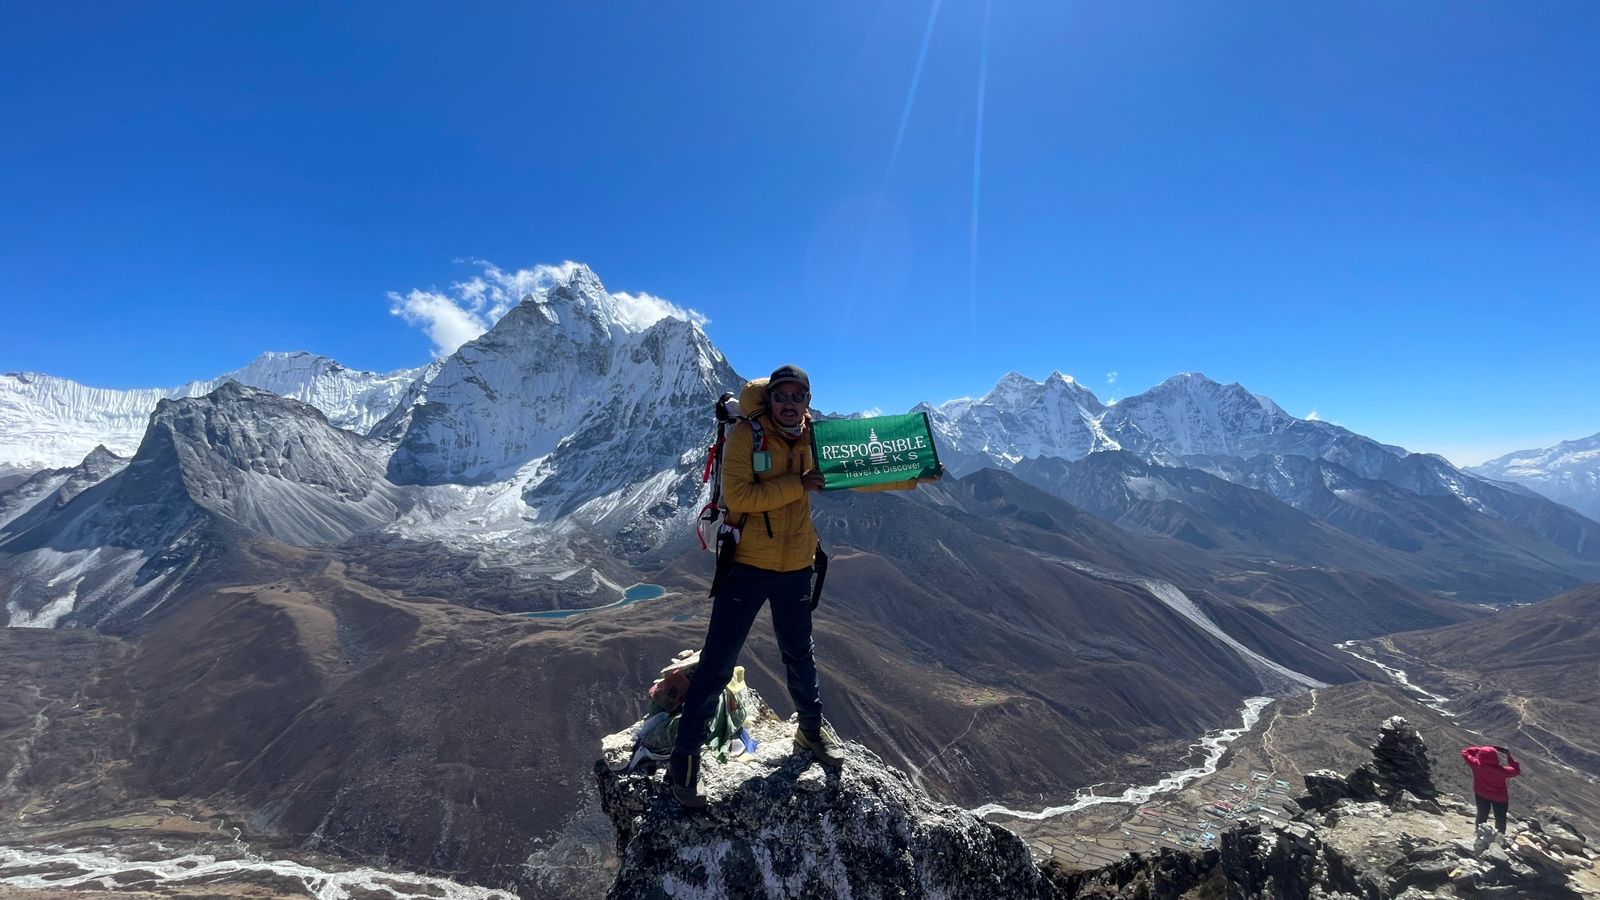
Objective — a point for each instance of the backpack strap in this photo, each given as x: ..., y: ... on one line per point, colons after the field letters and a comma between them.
x: 712, y: 474
x: 759, y: 444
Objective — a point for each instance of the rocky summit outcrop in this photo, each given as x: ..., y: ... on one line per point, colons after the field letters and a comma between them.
x: 778, y: 825
x: 1383, y: 832
x: 1371, y: 851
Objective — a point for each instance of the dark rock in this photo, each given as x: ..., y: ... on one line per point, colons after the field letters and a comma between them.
x: 866, y: 832
x: 1363, y: 783
x: 1418, y: 851
x: 1323, y: 789
x: 1290, y: 863
x: 1406, y: 801
x: 1427, y: 873
x: 1164, y: 875
x: 1558, y: 832
x: 1503, y: 866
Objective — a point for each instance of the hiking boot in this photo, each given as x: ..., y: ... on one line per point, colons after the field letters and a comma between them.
x: 823, y: 743
x: 683, y: 777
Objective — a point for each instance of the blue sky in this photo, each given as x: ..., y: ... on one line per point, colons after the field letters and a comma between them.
x: 1386, y: 213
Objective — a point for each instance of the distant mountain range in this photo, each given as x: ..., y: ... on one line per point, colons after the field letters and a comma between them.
x: 1567, y: 473
x: 561, y: 448
x: 49, y: 422
x: 1185, y: 416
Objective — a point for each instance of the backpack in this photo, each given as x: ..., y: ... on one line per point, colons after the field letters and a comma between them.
x: 729, y: 412
x: 655, y: 736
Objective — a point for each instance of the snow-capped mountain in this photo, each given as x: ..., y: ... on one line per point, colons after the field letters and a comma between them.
x: 1567, y: 473
x: 563, y: 440
x: 51, y: 422
x: 109, y: 543
x: 1185, y: 416
x: 1020, y: 419
x: 1191, y: 415
x: 1373, y: 491
x: 566, y: 409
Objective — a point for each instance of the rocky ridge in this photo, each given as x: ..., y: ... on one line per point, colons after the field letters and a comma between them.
x: 779, y: 826
x: 51, y: 422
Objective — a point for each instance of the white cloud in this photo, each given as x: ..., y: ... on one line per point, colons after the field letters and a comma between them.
x: 471, y: 307
x: 1313, y: 416
x: 1111, y: 378
x: 447, y: 322
x: 639, y: 311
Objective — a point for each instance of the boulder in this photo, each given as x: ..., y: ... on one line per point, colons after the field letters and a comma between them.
x: 1324, y: 788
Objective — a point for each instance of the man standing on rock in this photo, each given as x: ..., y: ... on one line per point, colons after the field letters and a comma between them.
x: 766, y: 488
x: 1489, y: 779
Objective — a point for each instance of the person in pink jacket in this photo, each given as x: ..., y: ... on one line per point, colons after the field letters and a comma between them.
x: 1489, y: 779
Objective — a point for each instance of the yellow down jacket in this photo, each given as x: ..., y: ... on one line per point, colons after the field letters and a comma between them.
x: 775, y: 511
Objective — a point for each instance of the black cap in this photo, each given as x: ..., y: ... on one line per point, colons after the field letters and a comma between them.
x: 789, y: 373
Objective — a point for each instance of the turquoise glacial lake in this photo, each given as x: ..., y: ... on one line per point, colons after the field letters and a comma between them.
x: 629, y: 597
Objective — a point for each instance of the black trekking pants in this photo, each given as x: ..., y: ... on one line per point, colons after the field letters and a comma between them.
x: 733, y: 611
x: 1499, y: 812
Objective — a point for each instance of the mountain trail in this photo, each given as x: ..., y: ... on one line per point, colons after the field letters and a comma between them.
x: 36, y: 729
x: 1281, y: 763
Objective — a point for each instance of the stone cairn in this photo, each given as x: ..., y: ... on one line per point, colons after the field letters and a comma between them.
x: 1399, y: 767
x: 1399, y: 763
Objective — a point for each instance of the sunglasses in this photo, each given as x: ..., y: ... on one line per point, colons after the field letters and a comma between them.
x: 781, y: 397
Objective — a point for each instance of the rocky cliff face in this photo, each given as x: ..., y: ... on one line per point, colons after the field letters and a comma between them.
x: 779, y: 826
x: 270, y: 464
x: 51, y: 489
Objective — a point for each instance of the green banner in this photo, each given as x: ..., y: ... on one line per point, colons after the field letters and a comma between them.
x: 856, y: 452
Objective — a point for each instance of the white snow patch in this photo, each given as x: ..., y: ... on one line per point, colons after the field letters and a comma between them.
x: 47, y: 617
